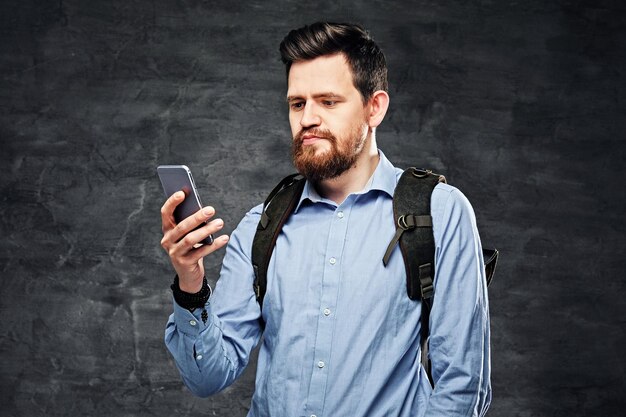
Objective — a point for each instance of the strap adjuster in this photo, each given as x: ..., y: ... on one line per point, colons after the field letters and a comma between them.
x: 426, y: 281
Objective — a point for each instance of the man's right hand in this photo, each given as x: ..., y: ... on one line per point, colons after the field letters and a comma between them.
x: 180, y: 242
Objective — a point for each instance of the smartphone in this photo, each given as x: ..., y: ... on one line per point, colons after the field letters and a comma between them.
x: 175, y: 178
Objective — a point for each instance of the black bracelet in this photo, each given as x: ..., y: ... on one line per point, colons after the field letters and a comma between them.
x: 188, y: 300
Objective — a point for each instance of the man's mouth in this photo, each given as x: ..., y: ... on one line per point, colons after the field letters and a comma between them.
x: 309, y: 138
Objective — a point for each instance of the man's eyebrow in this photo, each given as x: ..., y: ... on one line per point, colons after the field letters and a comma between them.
x: 328, y: 94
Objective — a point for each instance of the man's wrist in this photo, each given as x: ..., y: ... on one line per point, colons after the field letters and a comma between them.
x: 188, y: 286
x: 191, y: 301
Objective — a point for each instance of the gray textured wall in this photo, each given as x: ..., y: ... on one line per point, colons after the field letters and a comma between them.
x: 520, y: 103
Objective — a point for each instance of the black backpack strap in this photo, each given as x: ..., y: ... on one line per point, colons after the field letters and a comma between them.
x: 277, y: 208
x: 414, y: 232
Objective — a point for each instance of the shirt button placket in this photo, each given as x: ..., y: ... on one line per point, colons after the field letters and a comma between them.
x: 331, y: 279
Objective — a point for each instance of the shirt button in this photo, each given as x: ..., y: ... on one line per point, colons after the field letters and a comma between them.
x: 199, y: 357
x: 327, y: 312
x: 193, y: 322
x: 321, y: 364
x: 340, y: 214
x: 313, y: 415
x: 332, y: 261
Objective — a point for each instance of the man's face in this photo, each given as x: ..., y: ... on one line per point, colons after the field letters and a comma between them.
x: 327, y: 117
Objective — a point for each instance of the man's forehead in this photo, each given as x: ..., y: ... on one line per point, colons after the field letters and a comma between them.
x: 326, y: 74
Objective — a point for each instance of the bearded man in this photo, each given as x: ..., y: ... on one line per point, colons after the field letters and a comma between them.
x: 341, y: 337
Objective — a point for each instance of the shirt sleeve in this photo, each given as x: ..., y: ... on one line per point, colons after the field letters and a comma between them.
x: 211, y: 356
x: 459, y: 346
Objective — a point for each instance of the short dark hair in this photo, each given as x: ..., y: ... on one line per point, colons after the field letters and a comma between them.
x: 366, y: 59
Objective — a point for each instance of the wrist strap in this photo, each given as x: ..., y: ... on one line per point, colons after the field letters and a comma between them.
x: 188, y: 300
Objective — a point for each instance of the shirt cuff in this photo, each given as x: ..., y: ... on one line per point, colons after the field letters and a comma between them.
x: 189, y: 323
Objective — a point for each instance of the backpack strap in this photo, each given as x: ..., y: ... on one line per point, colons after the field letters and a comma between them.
x: 414, y: 230
x: 277, y: 208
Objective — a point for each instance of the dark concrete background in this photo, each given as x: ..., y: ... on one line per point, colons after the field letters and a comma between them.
x: 520, y: 103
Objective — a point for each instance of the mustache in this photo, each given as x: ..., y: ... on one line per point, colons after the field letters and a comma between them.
x: 320, y: 133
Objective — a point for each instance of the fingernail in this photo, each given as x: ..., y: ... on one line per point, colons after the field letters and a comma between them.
x: 207, y: 211
x: 179, y: 195
x: 219, y: 223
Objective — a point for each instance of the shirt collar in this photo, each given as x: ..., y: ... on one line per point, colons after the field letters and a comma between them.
x: 383, y: 179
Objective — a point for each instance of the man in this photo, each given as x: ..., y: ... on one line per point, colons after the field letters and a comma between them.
x: 341, y: 336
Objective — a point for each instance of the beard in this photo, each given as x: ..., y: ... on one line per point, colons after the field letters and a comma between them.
x: 317, y: 165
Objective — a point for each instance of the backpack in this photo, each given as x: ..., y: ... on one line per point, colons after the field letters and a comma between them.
x: 411, y: 210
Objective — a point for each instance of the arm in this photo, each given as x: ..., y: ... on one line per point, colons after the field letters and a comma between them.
x: 459, y: 321
x: 211, y: 355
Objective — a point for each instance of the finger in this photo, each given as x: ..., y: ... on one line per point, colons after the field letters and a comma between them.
x: 167, y: 210
x: 192, y: 222
x: 178, y: 240
x: 195, y: 255
x: 193, y: 238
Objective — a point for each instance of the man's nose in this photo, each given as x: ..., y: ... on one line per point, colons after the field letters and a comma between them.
x: 310, y: 116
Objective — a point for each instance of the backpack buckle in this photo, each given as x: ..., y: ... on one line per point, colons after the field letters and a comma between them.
x: 421, y: 173
x: 402, y: 223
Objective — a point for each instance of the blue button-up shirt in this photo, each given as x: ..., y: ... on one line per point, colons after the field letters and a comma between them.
x: 342, y: 338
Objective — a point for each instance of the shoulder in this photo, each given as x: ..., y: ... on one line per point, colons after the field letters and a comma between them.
x: 250, y: 220
x: 243, y: 235
x: 254, y: 214
x: 451, y: 210
x: 446, y: 200
x: 445, y: 195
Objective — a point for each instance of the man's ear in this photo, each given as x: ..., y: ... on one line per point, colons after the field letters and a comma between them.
x: 378, y: 105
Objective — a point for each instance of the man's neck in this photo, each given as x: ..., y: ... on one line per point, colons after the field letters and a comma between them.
x: 355, y: 178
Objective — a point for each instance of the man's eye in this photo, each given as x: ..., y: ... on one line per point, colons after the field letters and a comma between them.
x: 329, y: 103
x: 297, y: 105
